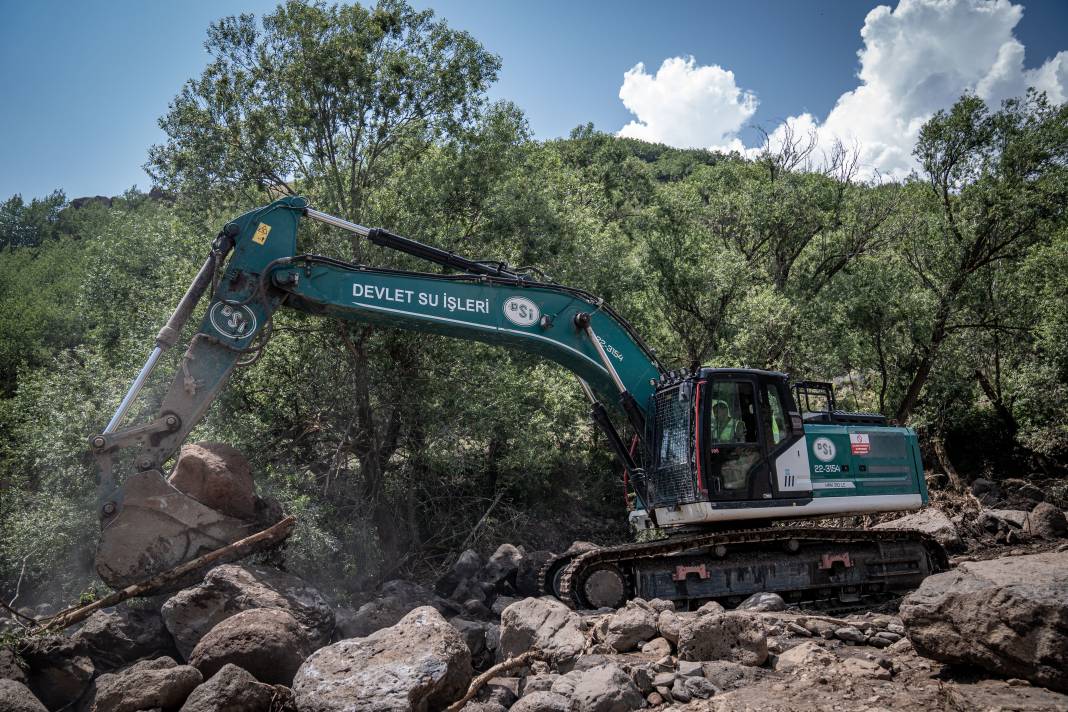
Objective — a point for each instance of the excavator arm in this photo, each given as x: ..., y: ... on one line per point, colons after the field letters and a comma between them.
x: 149, y: 526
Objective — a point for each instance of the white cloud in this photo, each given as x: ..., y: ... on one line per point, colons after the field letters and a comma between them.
x: 916, y: 59
x: 685, y: 105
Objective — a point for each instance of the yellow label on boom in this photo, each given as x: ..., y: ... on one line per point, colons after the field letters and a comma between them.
x: 261, y: 233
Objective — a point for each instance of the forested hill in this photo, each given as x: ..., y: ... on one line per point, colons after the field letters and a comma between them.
x: 941, y: 302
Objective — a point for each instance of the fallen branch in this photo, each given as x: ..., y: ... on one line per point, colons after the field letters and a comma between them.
x: 509, y: 664
x: 481, y: 520
x: 240, y: 548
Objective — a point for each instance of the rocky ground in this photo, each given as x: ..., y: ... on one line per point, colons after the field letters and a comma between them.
x: 990, y: 634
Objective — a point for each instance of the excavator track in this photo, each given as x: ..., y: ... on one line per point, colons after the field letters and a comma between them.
x: 798, y: 563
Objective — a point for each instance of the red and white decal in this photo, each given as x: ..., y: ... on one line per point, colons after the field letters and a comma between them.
x: 859, y: 443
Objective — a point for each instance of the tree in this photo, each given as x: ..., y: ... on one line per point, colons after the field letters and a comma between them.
x: 324, y: 100
x: 995, y: 185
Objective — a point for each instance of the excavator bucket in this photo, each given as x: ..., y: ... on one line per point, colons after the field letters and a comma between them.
x: 153, y: 527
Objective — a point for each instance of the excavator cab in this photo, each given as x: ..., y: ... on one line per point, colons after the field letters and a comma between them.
x: 718, y: 434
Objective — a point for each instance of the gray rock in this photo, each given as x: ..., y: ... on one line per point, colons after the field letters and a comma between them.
x: 726, y: 675
x: 1006, y: 615
x: 481, y: 638
x: 630, y: 626
x: 526, y: 576
x: 124, y: 635
x: 698, y: 688
x: 266, y: 642
x: 538, y: 683
x: 762, y: 602
x: 542, y: 701
x: 543, y: 624
x: 420, y: 663
x: 690, y: 668
x: 500, y: 603
x: 805, y: 655
x: 16, y: 697
x: 59, y: 670
x: 668, y: 624
x: 232, y: 588
x: 231, y: 690
x: 659, y: 605
x: 606, y: 688
x: 10, y: 669
x: 483, y: 706
x: 502, y: 690
x: 739, y: 637
x: 500, y: 571
x: 711, y: 608
x: 850, y: 633
x: 1048, y: 522
x: 929, y: 521
x: 658, y: 647
x: 679, y: 693
x: 160, y: 683
x: 565, y: 684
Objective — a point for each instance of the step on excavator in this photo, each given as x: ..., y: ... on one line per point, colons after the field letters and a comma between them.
x: 725, y: 457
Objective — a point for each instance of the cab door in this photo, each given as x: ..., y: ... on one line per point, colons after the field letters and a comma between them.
x: 734, y: 452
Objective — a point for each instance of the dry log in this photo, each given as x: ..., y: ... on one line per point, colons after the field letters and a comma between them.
x: 509, y: 664
x: 230, y: 552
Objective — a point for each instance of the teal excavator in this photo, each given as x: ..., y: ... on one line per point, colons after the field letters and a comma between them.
x: 725, y: 456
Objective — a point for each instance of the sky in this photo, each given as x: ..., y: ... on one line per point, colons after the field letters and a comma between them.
x: 89, y: 80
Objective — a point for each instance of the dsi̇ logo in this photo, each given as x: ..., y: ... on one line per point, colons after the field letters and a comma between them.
x: 235, y: 322
x: 521, y: 311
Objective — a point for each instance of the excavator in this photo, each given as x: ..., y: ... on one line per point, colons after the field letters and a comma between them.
x: 725, y: 457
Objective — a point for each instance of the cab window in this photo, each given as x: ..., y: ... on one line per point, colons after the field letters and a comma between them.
x: 775, y: 418
x: 732, y: 413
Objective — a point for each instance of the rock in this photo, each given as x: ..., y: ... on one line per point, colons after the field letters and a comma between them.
x: 543, y: 624
x: 538, y: 683
x: 630, y: 626
x: 796, y: 629
x: 658, y: 647
x: 565, y: 684
x: 1009, y: 616
x: 500, y: 571
x: 500, y: 603
x: 232, y: 588
x: 679, y: 693
x: 467, y: 566
x: 606, y: 688
x: 856, y: 667
x: 1048, y: 522
x: 125, y: 635
x: 542, y: 701
x: 696, y: 688
x: 710, y: 608
x: 488, y: 706
x: 481, y: 639
x: 580, y: 547
x: 726, y: 675
x: 807, y: 654
x: 739, y: 637
x: 654, y: 699
x: 59, y: 670
x: 420, y: 663
x: 664, y: 679
x: 850, y: 633
x: 160, y: 683
x: 16, y: 697
x: 10, y: 669
x: 502, y: 690
x: 762, y: 602
x: 526, y: 576
x: 929, y: 521
x: 986, y: 491
x: 1021, y: 493
x: 217, y: 475
x: 1017, y: 518
x: 230, y: 690
x: 668, y: 624
x: 266, y: 642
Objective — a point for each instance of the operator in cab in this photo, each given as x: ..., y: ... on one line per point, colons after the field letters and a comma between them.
x: 725, y: 428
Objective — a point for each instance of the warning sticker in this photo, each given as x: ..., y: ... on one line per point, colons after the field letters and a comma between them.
x: 859, y: 443
x: 261, y: 233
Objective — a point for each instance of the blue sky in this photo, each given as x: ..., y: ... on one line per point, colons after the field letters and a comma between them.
x: 92, y: 78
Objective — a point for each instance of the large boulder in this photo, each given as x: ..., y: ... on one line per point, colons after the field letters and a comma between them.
x: 266, y: 642
x: 542, y: 701
x: 232, y: 588
x: 739, y: 637
x: 10, y: 667
x: 500, y: 571
x: 929, y: 521
x: 467, y: 565
x: 124, y: 635
x: 419, y: 664
x: 760, y: 602
x: 631, y: 626
x: 16, y: 697
x: 216, y: 475
x: 146, y: 685
x: 1048, y: 522
x: 231, y: 690
x: 1007, y: 615
x: 59, y: 670
x: 542, y: 624
x: 606, y: 688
